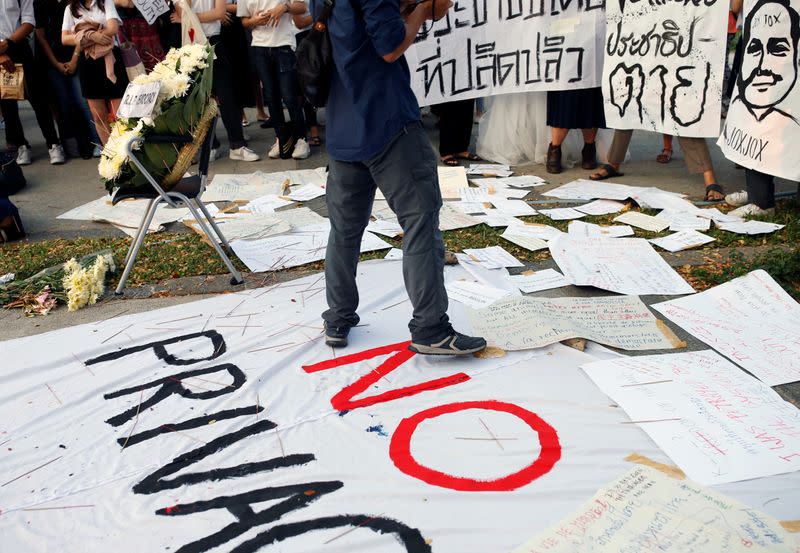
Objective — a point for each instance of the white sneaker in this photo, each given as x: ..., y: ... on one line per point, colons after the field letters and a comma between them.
x: 98, y: 151
x: 56, y: 154
x: 275, y: 151
x: 24, y: 155
x: 301, y: 149
x: 751, y: 210
x: 213, y: 155
x: 737, y: 198
x: 244, y: 154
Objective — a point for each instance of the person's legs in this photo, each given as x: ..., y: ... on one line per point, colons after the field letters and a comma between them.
x: 83, y: 107
x: 589, y: 151
x: 414, y: 195
x: 589, y: 135
x: 553, y: 161
x: 290, y: 90
x: 698, y: 160
x: 36, y: 90
x: 15, y: 136
x: 557, y: 136
x: 229, y: 108
x: 349, y: 195
x: 616, y: 154
x: 666, y: 152
x: 760, y: 189
x: 99, y: 109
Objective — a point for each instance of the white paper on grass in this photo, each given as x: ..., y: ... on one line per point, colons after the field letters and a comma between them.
x: 495, y: 218
x: 683, y: 240
x: 394, y: 254
x: 524, y: 323
x: 622, y: 265
x: 513, y: 208
x: 716, y: 422
x: 304, y: 245
x: 245, y: 226
x: 493, y: 257
x: 386, y: 228
x: 268, y: 203
x: 474, y: 194
x: 305, y: 192
x: 717, y: 216
x: 579, y: 228
x: 642, y: 221
x: 534, y: 230
x: 451, y: 181
x: 270, y: 349
x: 496, y: 188
x: 127, y: 213
x: 682, y: 220
x: 644, y: 510
x: 524, y: 241
x: 750, y: 319
x: 522, y: 181
x: 584, y: 189
x: 474, y: 294
x: 562, y: 213
x: 601, y: 207
x: 536, y: 281
x: 471, y: 207
x: 451, y: 218
x: 248, y: 187
x: 750, y: 227
x: 655, y: 198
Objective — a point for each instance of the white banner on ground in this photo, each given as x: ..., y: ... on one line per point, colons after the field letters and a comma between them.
x: 762, y: 129
x: 487, y: 47
x: 751, y: 320
x: 664, y: 63
x: 716, y: 422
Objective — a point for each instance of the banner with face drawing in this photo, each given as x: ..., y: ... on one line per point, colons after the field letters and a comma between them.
x: 763, y: 125
x: 664, y: 63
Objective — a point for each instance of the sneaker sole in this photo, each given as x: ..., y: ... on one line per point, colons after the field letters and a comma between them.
x: 429, y: 350
x: 335, y: 342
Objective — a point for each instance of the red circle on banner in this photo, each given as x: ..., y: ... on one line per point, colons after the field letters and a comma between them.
x: 400, y: 449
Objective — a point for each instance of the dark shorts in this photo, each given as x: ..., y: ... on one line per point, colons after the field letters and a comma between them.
x: 94, y: 82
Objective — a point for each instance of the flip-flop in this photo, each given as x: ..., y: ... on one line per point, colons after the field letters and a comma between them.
x: 664, y: 157
x: 314, y: 141
x: 714, y: 188
x: 450, y: 161
x: 610, y: 173
x: 469, y: 157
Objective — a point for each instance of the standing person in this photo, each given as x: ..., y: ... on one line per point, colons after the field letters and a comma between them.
x: 92, y: 26
x: 60, y: 63
x: 273, y: 52
x: 143, y: 35
x: 211, y: 13
x: 375, y: 135
x: 666, y: 152
x: 16, y: 23
x: 574, y: 109
x: 303, y: 24
x: 456, y: 119
x: 237, y: 45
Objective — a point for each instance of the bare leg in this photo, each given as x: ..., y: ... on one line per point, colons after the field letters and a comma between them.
x: 99, y: 111
x: 557, y: 135
x: 589, y: 135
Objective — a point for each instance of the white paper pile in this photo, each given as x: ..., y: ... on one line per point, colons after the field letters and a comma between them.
x: 267, y: 204
x: 684, y: 220
x: 515, y: 234
x: 683, y: 240
x: 642, y: 221
x: 305, y: 192
x: 536, y: 281
x: 474, y: 294
x: 562, y: 213
x: 601, y: 207
x: 451, y: 218
x: 522, y: 181
x: 750, y: 227
x: 490, y: 170
x: 126, y: 215
x: 583, y: 189
x: 493, y: 257
x: 579, y: 228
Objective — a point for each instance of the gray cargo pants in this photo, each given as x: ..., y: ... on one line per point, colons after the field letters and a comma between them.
x: 405, y: 171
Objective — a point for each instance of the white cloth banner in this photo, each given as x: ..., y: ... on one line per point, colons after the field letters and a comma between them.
x: 241, y: 429
x: 487, y: 47
x: 664, y: 63
x: 762, y: 129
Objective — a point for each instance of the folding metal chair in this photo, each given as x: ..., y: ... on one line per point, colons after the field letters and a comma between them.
x: 186, y: 193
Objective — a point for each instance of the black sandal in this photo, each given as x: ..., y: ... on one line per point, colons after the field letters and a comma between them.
x: 469, y: 157
x: 610, y: 173
x: 714, y: 188
x: 450, y: 161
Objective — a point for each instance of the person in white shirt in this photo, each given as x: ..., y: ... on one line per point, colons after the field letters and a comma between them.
x: 93, y: 25
x: 211, y: 13
x: 273, y: 47
x: 16, y: 23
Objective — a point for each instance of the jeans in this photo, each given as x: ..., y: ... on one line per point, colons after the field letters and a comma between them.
x: 222, y: 86
x: 406, y: 171
x: 75, y: 116
x: 277, y: 70
x: 36, y: 92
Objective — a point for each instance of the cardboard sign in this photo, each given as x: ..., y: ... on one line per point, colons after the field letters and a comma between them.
x: 139, y: 100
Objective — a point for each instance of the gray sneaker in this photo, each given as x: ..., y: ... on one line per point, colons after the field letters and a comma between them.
x: 453, y: 344
x: 24, y: 155
x: 336, y: 336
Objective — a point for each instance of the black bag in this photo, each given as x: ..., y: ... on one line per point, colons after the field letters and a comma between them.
x: 10, y: 223
x: 11, y: 178
x: 315, y: 60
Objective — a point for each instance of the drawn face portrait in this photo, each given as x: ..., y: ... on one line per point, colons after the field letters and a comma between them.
x: 769, y: 62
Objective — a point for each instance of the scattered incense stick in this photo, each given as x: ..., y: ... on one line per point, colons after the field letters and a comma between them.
x: 173, y: 429
x: 247, y: 322
x: 242, y: 315
x: 135, y: 421
x: 116, y: 334
x: 54, y: 394
x: 486, y: 439
x: 206, y: 323
x: 257, y: 407
x: 270, y: 347
x: 30, y: 471
x: 645, y: 383
x: 356, y: 527
x: 280, y: 442
x: 179, y: 381
x: 164, y: 328
x: 213, y: 382
x: 239, y: 326
x: 55, y: 508
x: 652, y: 420
x: 491, y: 434
x: 85, y: 366
x: 301, y: 343
x: 113, y: 316
x: 235, y: 308
x: 178, y: 320
x: 394, y: 305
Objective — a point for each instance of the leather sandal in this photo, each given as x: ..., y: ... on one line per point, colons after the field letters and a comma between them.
x: 665, y: 156
x: 553, y: 164
x: 589, y: 156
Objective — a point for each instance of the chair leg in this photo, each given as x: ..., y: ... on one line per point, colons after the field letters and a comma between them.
x: 237, y: 276
x: 142, y: 228
x: 213, y: 225
x: 130, y: 260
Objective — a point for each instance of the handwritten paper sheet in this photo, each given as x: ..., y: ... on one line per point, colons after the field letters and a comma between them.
x: 522, y: 181
x: 391, y: 229
x: 490, y: 170
x: 493, y: 257
x: 300, y: 217
x: 683, y: 220
x: 579, y: 228
x: 230, y: 187
x: 245, y: 226
x: 750, y: 227
x: 302, y: 246
x: 562, y: 213
x: 306, y: 192
x: 451, y: 218
x: 655, y: 198
x: 267, y: 204
x: 642, y: 221
x: 474, y: 294
x: 601, y: 207
x: 618, y: 321
x: 471, y: 207
x: 474, y: 194
x: 716, y: 422
x: 584, y: 189
x: 534, y: 230
x: 496, y: 218
x: 524, y: 241
x: 451, y: 181
x: 622, y: 265
x: 513, y: 208
x: 536, y: 281
x: 645, y: 510
x: 751, y: 320
x: 682, y: 240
